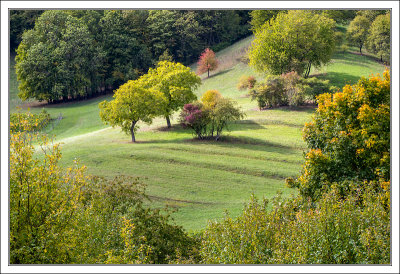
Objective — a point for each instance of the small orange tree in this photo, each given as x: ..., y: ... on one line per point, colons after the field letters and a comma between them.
x: 207, y: 62
x: 348, y: 138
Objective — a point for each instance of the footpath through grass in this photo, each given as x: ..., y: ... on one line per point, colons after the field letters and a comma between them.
x: 199, y: 178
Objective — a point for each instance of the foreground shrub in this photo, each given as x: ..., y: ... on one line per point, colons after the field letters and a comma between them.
x: 348, y: 137
x: 43, y: 203
x: 62, y: 216
x: 116, y: 227
x: 29, y: 121
x: 333, y: 231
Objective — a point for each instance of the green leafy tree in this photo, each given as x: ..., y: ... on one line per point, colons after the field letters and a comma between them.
x: 260, y: 17
x: 126, y: 58
x: 378, y: 41
x: 371, y: 14
x: 63, y: 216
x: 340, y: 16
x: 188, y: 31
x: 333, y: 230
x: 176, y: 82
x: 43, y: 201
x: 162, y: 32
x: 133, y: 102
x: 56, y: 59
x: 20, y: 21
x: 357, y: 32
x: 348, y: 138
x: 293, y: 42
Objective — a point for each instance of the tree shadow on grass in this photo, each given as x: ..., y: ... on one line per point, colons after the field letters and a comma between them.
x: 340, y: 79
x: 218, y: 73
x: 227, y: 141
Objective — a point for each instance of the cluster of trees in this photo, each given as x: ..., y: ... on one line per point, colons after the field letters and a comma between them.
x: 210, y: 116
x: 80, y: 53
x: 375, y: 36
x: 293, y: 41
x: 260, y: 17
x: 342, y: 214
x: 160, y: 92
x: 288, y: 89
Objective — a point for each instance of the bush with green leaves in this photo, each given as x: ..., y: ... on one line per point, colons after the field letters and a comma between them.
x: 246, y: 82
x: 288, y: 89
x: 314, y: 86
x: 269, y: 93
x: 354, y: 230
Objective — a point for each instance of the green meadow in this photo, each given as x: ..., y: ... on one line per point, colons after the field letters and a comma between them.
x: 198, y: 179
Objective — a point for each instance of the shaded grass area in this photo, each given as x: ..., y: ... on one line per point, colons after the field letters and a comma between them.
x: 347, y: 68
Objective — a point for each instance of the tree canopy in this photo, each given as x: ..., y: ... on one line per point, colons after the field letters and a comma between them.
x: 104, y: 49
x: 261, y: 17
x: 207, y: 62
x: 293, y: 42
x: 56, y: 59
x: 357, y: 32
x: 133, y: 102
x: 176, y: 82
x: 378, y: 41
x: 348, y: 138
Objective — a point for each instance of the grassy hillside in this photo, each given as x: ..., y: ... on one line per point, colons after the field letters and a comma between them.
x: 200, y: 178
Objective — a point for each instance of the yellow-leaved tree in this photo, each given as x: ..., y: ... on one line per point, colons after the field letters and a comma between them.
x: 133, y: 102
x: 176, y: 82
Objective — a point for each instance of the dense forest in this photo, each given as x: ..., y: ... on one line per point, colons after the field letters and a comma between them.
x: 84, y: 53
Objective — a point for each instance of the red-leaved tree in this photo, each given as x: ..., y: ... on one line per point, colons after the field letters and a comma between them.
x: 207, y: 62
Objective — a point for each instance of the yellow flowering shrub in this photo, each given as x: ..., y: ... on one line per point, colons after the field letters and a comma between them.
x: 351, y: 132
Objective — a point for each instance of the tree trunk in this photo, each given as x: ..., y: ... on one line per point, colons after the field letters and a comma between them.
x: 208, y: 73
x: 360, y: 50
x: 132, y: 131
x: 381, y: 59
x: 168, y: 121
x: 308, y: 69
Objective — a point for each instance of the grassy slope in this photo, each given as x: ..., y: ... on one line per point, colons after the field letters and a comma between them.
x: 202, y: 179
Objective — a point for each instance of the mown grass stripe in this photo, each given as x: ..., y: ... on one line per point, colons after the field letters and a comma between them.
x: 213, y: 166
x: 229, y: 154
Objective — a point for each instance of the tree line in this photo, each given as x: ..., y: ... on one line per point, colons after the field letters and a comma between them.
x: 76, y: 54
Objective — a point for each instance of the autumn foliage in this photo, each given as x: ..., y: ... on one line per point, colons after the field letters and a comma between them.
x: 348, y: 138
x: 207, y: 62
